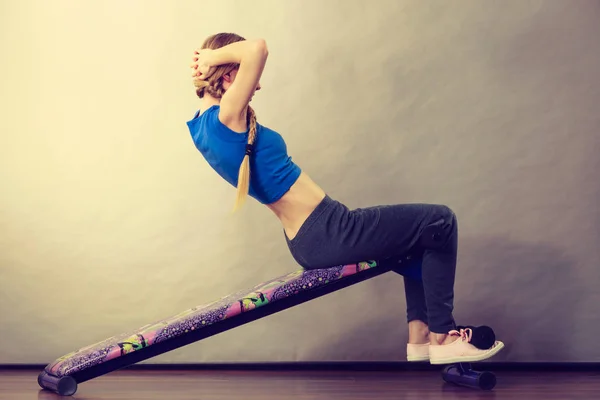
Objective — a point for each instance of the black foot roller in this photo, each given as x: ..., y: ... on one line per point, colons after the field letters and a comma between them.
x: 462, y: 374
x: 482, y: 337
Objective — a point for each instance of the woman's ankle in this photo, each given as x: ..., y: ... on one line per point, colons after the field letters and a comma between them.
x: 418, y: 332
x: 439, y: 339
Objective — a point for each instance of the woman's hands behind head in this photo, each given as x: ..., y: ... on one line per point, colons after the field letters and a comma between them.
x: 201, y: 66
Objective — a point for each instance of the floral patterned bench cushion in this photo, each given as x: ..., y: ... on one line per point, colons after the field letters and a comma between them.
x: 202, y: 316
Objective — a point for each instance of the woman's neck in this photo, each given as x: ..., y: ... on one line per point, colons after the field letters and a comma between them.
x: 207, y: 102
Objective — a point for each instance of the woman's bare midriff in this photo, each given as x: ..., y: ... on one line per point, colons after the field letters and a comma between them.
x: 297, y: 204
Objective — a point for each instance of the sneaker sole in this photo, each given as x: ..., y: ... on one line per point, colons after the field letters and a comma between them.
x: 414, y: 359
x: 484, y: 356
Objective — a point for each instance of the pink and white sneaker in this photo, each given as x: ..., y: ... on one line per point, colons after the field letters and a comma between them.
x: 417, y: 352
x: 461, y: 350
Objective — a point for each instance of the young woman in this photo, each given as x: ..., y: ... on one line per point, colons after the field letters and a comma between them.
x: 320, y: 231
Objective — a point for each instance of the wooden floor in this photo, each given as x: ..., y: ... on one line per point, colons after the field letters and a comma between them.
x: 311, y: 385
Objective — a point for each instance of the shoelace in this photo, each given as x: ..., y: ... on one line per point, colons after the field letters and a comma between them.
x: 465, y: 334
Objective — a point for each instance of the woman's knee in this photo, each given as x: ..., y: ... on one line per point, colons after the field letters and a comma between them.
x: 448, y: 215
x: 441, y: 229
x: 441, y: 212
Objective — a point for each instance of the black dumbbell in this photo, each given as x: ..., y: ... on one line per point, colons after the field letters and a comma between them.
x: 483, y: 336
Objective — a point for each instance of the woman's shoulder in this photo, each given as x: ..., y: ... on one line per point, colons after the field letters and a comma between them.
x: 210, y: 121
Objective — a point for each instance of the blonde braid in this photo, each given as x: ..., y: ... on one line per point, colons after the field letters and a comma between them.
x: 213, y: 88
x: 244, y: 173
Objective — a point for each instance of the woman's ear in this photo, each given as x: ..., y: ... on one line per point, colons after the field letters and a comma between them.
x: 230, y: 76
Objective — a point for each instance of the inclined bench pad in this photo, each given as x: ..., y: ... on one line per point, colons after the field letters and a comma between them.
x: 202, y: 316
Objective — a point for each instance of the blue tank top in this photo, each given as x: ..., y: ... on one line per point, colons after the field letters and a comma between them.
x: 272, y: 171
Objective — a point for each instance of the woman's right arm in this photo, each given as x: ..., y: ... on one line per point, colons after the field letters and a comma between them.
x: 251, y: 55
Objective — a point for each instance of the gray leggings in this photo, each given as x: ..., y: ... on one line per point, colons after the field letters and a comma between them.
x: 334, y: 235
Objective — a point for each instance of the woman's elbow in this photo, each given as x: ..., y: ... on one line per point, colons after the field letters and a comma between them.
x: 260, y: 47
